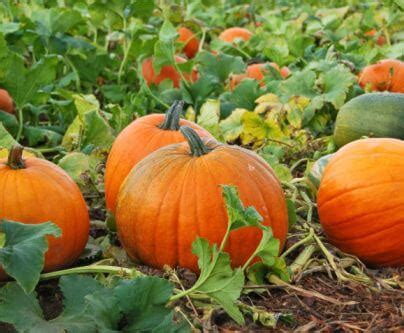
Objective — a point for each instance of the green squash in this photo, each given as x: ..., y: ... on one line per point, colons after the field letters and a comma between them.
x: 379, y: 115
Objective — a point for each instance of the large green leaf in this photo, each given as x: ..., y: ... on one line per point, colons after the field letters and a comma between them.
x: 138, y: 305
x: 22, y: 255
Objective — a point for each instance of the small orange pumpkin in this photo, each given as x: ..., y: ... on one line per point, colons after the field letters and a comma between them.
x: 257, y: 72
x: 139, y: 139
x: 232, y: 34
x: 174, y: 195
x: 6, y: 102
x: 361, y: 201
x: 387, y: 75
x: 191, y: 43
x: 34, y: 191
x: 167, y: 72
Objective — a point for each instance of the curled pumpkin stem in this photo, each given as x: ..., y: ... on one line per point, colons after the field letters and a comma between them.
x: 15, y: 160
x: 172, y: 118
x: 198, y: 148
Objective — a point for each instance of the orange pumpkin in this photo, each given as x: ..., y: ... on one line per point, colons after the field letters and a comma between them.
x: 257, y: 72
x: 381, y: 40
x: 387, y: 75
x: 174, y: 195
x: 361, y: 201
x: 232, y: 34
x: 139, y: 139
x: 34, y: 191
x: 167, y: 72
x: 6, y: 102
x: 191, y: 43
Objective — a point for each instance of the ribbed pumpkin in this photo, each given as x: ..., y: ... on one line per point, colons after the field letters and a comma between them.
x: 361, y: 200
x: 6, y: 102
x: 33, y: 191
x: 139, y: 139
x: 174, y: 195
x: 230, y: 35
x: 191, y: 43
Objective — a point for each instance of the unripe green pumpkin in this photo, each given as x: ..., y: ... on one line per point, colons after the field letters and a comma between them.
x: 379, y: 115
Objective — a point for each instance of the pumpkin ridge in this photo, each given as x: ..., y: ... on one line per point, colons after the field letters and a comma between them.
x: 188, y: 166
x: 385, y: 228
x: 385, y: 209
x: 345, y: 191
x: 63, y: 193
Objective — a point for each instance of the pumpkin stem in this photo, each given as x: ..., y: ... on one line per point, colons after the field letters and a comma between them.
x: 198, y: 148
x: 15, y: 160
x: 172, y: 118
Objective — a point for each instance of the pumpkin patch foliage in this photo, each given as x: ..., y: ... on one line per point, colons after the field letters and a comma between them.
x: 201, y: 165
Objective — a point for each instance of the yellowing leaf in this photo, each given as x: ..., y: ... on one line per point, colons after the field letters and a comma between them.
x: 209, y: 117
x: 267, y: 98
x: 254, y: 128
x: 232, y: 126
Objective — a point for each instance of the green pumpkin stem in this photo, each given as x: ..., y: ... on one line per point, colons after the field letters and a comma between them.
x: 198, y: 148
x: 15, y: 160
x: 172, y: 118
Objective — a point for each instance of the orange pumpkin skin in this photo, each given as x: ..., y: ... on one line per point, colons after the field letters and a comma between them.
x: 387, y: 75
x: 361, y: 201
x: 171, y: 197
x: 191, y: 43
x: 6, y: 102
x: 136, y: 141
x: 42, y: 192
x: 256, y: 72
x: 230, y: 35
x: 167, y: 72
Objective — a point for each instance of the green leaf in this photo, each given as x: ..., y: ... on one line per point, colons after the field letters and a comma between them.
x: 25, y: 84
x: 54, y: 20
x: 76, y: 164
x: 219, y: 66
x: 22, y: 256
x: 89, y: 127
x: 44, y: 136
x: 217, y: 279
x: 149, y: 312
x: 209, y: 118
x: 299, y: 84
x: 6, y: 139
x: 167, y: 32
x: 22, y: 310
x: 245, y: 94
x: 238, y: 216
x: 9, y: 121
x: 337, y: 82
x: 138, y: 305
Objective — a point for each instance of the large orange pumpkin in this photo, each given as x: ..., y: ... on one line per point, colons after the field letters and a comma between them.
x: 191, y: 43
x: 174, y: 195
x: 139, y: 139
x: 387, y: 75
x: 167, y: 72
x: 33, y: 191
x: 361, y: 200
x: 6, y: 102
x: 257, y: 72
x: 232, y: 34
